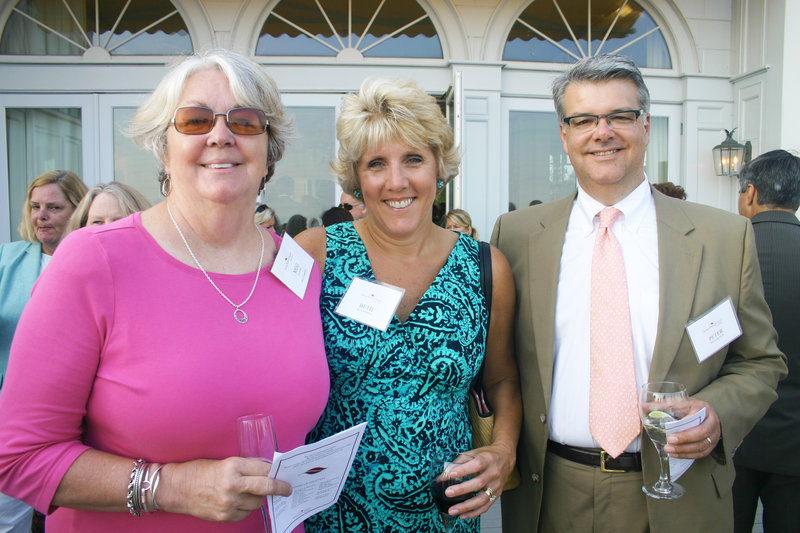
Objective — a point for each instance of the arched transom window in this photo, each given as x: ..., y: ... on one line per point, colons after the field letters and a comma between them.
x: 349, y: 29
x: 96, y: 29
x: 563, y: 31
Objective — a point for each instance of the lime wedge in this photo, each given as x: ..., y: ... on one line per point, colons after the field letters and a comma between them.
x: 660, y: 414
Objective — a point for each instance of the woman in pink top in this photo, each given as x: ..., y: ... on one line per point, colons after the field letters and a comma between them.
x: 146, y: 338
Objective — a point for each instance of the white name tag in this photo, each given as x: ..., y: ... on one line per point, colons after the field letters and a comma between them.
x: 292, y: 266
x: 370, y: 303
x: 714, y: 329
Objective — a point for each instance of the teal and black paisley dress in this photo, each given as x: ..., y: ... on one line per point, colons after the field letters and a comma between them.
x: 408, y: 383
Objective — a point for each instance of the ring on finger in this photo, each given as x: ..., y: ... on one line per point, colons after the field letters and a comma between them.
x: 709, y: 441
x: 490, y: 493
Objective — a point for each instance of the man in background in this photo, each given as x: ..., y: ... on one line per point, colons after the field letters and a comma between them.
x: 768, y: 462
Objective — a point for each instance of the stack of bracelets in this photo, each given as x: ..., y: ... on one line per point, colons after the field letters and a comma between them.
x: 144, y: 478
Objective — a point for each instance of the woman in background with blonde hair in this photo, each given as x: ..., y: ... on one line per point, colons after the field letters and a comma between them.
x: 105, y: 203
x: 50, y: 201
x: 459, y: 220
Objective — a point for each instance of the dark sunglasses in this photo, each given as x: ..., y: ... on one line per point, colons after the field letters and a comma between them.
x: 196, y: 120
x: 349, y: 207
x: 261, y: 208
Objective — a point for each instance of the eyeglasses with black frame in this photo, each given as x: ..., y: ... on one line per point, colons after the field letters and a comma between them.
x: 618, y: 120
x: 349, y: 207
x: 197, y: 120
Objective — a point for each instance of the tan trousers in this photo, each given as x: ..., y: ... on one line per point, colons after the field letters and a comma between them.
x: 583, y: 499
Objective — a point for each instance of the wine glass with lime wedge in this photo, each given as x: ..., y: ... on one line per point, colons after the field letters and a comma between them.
x: 662, y: 402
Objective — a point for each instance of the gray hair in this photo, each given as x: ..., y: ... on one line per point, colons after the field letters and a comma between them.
x: 249, y: 83
x: 776, y: 177
x: 603, y: 67
x: 130, y: 201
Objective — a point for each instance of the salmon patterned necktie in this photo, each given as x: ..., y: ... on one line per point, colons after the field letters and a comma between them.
x: 613, y: 414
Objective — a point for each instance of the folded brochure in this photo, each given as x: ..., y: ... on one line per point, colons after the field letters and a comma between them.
x: 317, y: 473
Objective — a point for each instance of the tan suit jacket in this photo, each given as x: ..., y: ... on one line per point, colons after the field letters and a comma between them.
x: 705, y: 255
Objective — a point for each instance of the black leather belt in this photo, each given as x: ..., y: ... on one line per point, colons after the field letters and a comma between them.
x: 626, y: 462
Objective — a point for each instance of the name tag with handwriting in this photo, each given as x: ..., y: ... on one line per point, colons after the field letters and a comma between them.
x: 714, y: 329
x: 370, y: 303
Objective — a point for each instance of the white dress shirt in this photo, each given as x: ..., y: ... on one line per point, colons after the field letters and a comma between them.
x: 636, y: 231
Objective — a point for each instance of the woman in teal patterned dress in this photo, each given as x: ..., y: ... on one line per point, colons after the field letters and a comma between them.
x: 410, y: 382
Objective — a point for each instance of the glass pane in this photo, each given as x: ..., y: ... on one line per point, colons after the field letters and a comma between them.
x: 169, y: 37
x: 420, y: 40
x: 523, y: 44
x: 538, y: 168
x: 23, y: 36
x: 302, y: 183
x: 39, y: 140
x: 656, y: 163
x: 132, y: 165
x: 350, y: 21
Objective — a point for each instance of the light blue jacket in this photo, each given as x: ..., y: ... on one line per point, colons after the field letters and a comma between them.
x: 20, y: 265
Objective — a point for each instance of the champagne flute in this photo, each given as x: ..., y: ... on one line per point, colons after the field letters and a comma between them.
x: 661, y: 402
x: 443, y: 478
x: 257, y: 440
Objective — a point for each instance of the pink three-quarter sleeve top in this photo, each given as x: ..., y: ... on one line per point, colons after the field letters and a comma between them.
x: 124, y: 349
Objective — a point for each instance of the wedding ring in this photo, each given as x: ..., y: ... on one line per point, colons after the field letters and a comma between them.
x: 709, y: 441
x: 490, y: 493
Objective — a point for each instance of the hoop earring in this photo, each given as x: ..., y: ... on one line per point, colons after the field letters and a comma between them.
x: 166, y: 185
x: 357, y: 193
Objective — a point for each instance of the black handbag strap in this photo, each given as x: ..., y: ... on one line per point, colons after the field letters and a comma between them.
x: 485, y: 265
x: 485, y: 257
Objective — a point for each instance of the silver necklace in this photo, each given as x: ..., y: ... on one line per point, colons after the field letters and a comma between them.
x: 238, y: 312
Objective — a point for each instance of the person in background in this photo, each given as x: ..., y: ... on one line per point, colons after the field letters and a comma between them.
x: 335, y: 215
x: 49, y: 203
x: 355, y: 205
x: 670, y: 189
x: 104, y: 204
x: 295, y: 225
x: 265, y: 216
x: 146, y: 338
x: 410, y: 382
x: 584, y: 351
x: 534, y: 202
x: 767, y: 462
x: 459, y: 220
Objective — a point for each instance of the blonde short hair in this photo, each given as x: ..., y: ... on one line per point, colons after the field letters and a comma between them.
x: 264, y: 214
x: 130, y: 200
x: 70, y: 184
x: 383, y: 111
x: 462, y: 219
x: 249, y: 83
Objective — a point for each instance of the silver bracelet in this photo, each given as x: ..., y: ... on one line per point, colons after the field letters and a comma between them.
x: 155, y: 480
x: 147, y: 485
x: 132, y: 500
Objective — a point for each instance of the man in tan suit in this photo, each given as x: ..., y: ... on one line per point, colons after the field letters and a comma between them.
x: 680, y: 260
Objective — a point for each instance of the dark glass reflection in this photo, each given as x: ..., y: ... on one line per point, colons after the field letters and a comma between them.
x: 21, y: 36
x: 357, y: 28
x: 523, y: 44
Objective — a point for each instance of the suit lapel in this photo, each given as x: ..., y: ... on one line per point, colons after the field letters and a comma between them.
x: 679, y: 259
x: 546, y: 242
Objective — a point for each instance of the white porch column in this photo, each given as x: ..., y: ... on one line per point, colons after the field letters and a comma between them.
x: 481, y: 191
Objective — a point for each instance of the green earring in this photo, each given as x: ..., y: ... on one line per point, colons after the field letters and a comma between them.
x: 357, y: 193
x: 439, y: 184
